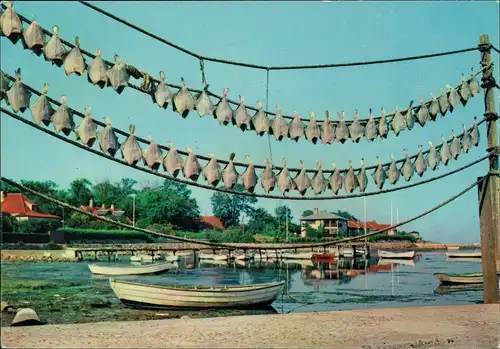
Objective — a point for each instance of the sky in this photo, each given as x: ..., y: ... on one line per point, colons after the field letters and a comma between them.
x: 271, y: 33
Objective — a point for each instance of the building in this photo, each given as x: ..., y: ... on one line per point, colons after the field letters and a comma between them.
x: 211, y: 223
x: 416, y: 235
x: 103, y: 211
x: 331, y: 223
x: 20, y: 207
x: 358, y: 228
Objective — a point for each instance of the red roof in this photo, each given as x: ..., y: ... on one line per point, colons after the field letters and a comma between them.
x: 109, y: 211
x: 370, y: 225
x: 16, y: 204
x: 212, y: 221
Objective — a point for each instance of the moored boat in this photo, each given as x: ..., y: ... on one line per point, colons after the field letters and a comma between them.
x: 396, y: 255
x: 114, y: 270
x: 323, y: 256
x: 194, y: 296
x: 471, y: 260
x: 390, y: 261
x: 218, y: 257
x: 469, y: 278
x: 244, y: 256
x: 172, y: 258
x: 452, y: 248
x: 445, y: 289
x: 301, y: 255
x: 474, y: 254
x: 147, y: 258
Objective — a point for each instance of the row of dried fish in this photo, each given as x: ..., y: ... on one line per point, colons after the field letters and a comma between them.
x: 182, y: 101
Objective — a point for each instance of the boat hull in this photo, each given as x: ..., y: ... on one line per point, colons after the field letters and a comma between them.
x: 304, y: 255
x: 126, y: 270
x: 449, y: 279
x: 217, y: 257
x: 396, y: 255
x: 390, y: 261
x: 463, y: 254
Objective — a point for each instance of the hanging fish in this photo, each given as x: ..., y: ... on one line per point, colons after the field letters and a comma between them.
x: 371, y: 127
x: 204, y: 104
x: 473, y: 84
x: 379, y: 174
x: 335, y: 180
x: 419, y: 164
x: 433, y: 107
x: 455, y: 146
x: 279, y: 126
x: 87, y: 130
x: 4, y: 87
x: 312, y: 131
x: 229, y: 174
x: 474, y: 133
x: 464, y: 91
x: 341, y: 131
x: 267, y: 178
x: 362, y: 178
x: 444, y: 152
x: 260, y: 122
x: 398, y: 122
x: 249, y: 177
x: 152, y: 156
x: 74, y: 61
x: 453, y: 97
x: 10, y: 23
x: 131, y: 151
x: 241, y: 117
x: 422, y: 113
x: 444, y: 104
x: 296, y: 129
x: 409, y: 117
x: 96, y: 74
x: 42, y: 110
x: 54, y: 49
x: 18, y: 96
x: 163, y: 93
x: 173, y: 162
x: 183, y: 100
x: 223, y: 111
x: 212, y: 171
x: 285, y: 183
x: 34, y: 38
x: 432, y: 157
x: 383, y: 129
x: 466, y: 140
x: 62, y: 119
x: 301, y: 181
x: 407, y: 168
x: 108, y: 142
x: 356, y: 129
x: 350, y: 180
x: 191, y: 167
x: 118, y: 76
x: 327, y: 130
x: 318, y: 181
x: 393, y: 171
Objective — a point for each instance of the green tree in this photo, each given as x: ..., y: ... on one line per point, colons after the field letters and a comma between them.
x: 48, y: 188
x: 79, y: 192
x: 345, y: 215
x: 307, y: 213
x: 229, y: 207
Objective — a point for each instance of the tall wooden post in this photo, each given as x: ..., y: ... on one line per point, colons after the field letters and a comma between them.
x: 489, y: 190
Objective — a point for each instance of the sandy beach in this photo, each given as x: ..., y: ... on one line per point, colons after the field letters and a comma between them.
x: 470, y: 326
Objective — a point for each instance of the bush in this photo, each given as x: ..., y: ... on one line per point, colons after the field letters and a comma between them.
x: 401, y: 237
x: 7, y: 224
x: 74, y: 234
x: 22, y: 238
x: 38, y: 226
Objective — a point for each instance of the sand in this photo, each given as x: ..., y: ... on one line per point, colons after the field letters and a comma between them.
x: 469, y: 326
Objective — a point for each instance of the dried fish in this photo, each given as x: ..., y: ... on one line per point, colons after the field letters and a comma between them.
x: 455, y: 146
x: 356, y: 129
x: 229, y: 174
x: 108, y: 142
x: 183, y: 100
x: 249, y: 177
x: 474, y: 133
x: 444, y: 104
x: 341, y: 131
x: 279, y: 126
x: 267, y: 178
x: 420, y: 164
x: 212, y: 172
x: 191, y: 167
x: 409, y: 117
x: 433, y: 107
x: 96, y: 74
x: 432, y: 157
x: 312, y: 131
x: 393, y: 171
x: 473, y: 84
x: 152, y: 156
x: 398, y: 122
x: 444, y: 152
x: 453, y: 97
x: 163, y: 93
x: 54, y: 49
x: 10, y: 23
x: 241, y: 117
x: 285, y: 183
x: 362, y: 178
x: 34, y: 38
x: 4, y: 87
x: 302, y: 181
x: 318, y: 183
x: 383, y: 129
x: 422, y: 113
x: 173, y: 162
x: 118, y: 76
x: 350, y: 180
x: 407, y: 168
x: 296, y: 129
x: 223, y: 111
x: 204, y: 104
x: 260, y: 122
x: 131, y: 151
x: 464, y: 91
x: 335, y: 180
x: 74, y: 61
x: 371, y: 127
x: 62, y: 119
x: 379, y: 174
x: 466, y: 140
x: 42, y: 110
x: 17, y: 95
x: 327, y: 130
x: 87, y: 130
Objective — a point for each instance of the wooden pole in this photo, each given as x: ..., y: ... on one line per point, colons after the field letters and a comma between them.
x: 489, y: 190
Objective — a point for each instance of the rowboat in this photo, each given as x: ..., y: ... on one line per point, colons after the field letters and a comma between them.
x: 302, y: 255
x: 475, y: 254
x: 390, y: 261
x: 347, y: 253
x: 452, y: 248
x: 147, y: 258
x: 445, y: 289
x: 323, y: 256
x: 470, y: 260
x: 244, y: 256
x: 469, y: 278
x: 219, y: 257
x: 139, y: 295
x: 214, y: 261
x: 129, y: 270
x: 396, y: 255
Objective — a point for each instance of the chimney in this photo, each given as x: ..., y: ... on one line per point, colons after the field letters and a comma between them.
x: 315, y: 211
x: 91, y: 203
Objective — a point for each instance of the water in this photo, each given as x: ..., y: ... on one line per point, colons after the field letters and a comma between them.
x: 68, y: 292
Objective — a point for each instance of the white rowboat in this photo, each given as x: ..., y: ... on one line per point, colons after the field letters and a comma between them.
x: 396, y: 255
x: 390, y: 261
x: 475, y: 254
x: 195, y: 297
x: 471, y: 260
x: 244, y: 257
x: 217, y: 257
x: 471, y: 278
x: 452, y: 248
x: 302, y: 255
x: 127, y: 270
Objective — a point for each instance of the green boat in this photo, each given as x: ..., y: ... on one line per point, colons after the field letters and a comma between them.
x: 468, y: 278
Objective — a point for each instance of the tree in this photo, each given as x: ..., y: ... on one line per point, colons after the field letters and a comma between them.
x: 48, y: 188
x: 282, y: 213
x: 345, y: 215
x: 229, y: 207
x: 307, y: 213
x: 79, y: 192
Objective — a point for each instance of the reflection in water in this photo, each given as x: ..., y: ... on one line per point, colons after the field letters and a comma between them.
x: 444, y: 289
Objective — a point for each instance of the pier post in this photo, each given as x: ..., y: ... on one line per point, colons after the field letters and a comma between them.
x: 489, y: 189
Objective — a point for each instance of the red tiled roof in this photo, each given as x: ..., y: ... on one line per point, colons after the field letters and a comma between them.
x: 109, y: 211
x: 370, y: 225
x: 16, y: 204
x: 213, y: 222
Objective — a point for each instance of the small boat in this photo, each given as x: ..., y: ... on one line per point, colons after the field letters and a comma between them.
x: 469, y: 278
x: 218, y: 257
x: 475, y: 254
x: 195, y: 296
x: 183, y: 253
x: 323, y: 256
x: 396, y: 255
x: 244, y: 256
x: 471, y: 260
x: 390, y: 261
x: 452, y: 248
x: 303, y: 262
x: 302, y: 255
x: 172, y: 258
x: 129, y: 270
x: 347, y: 253
x: 445, y: 289
x: 214, y: 261
x: 147, y: 258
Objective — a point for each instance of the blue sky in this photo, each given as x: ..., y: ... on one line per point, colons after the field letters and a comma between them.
x: 276, y: 33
